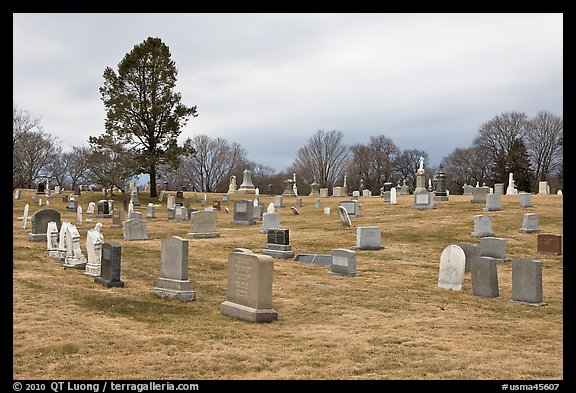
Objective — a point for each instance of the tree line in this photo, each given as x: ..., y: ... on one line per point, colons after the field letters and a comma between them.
x: 145, y: 117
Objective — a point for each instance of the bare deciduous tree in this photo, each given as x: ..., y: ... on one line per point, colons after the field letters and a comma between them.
x: 544, y: 135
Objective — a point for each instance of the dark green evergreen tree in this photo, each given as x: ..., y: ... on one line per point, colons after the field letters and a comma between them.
x: 142, y: 110
x: 519, y: 165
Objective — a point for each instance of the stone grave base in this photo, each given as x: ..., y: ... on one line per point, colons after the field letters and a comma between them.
x: 74, y: 263
x: 92, y: 270
x: 246, y: 313
x: 174, y: 289
x: 37, y: 237
x: 529, y: 303
x: 279, y: 251
x: 315, y: 259
x: 202, y: 235
x: 108, y: 283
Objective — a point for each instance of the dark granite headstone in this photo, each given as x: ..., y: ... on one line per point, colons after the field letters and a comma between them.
x: 549, y: 244
x: 110, y: 266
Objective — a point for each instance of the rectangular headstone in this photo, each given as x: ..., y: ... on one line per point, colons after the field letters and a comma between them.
x: 343, y: 262
x: 484, y: 276
x: 493, y: 247
x: 203, y: 225
x: 482, y: 226
x: 173, y: 282
x: 135, y: 229
x: 352, y: 207
x: 549, y: 244
x: 249, y: 288
x: 40, y: 221
x: 278, y: 236
x: 110, y: 266
x: 117, y: 218
x: 527, y: 281
x: 244, y: 212
x: 368, y: 238
x: 270, y: 221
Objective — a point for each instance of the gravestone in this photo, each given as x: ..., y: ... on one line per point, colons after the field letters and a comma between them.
x: 110, y: 266
x: 232, y: 186
x: 72, y: 204
x: 289, y: 188
x: 317, y: 203
x: 243, y: 212
x: 548, y: 243
x: 79, y: 216
x: 386, y: 196
x: 403, y: 189
x: 484, y: 276
x: 314, y: 259
x: 74, y: 257
x: 25, y: 216
x: 278, y: 201
x: 270, y: 221
x: 180, y: 213
x: 246, y: 187
x: 511, y: 190
x: 342, y: 215
x: 257, y: 209
x: 278, y: 244
x: 366, y: 193
x: 525, y: 199
x: 314, y: 189
x: 470, y: 250
x: 479, y: 194
x: 17, y: 194
x: 117, y: 218
x: 368, y: 238
x: 343, y: 262
x: 135, y: 229
x: 104, y: 209
x: 249, y: 288
x: 62, y: 249
x: 527, y: 281
x: 52, y: 240
x: 338, y: 192
x: 492, y: 202
x: 493, y: 247
x: 530, y: 223
x: 324, y: 192
x: 41, y: 188
x: 482, y: 226
x: 40, y: 221
x: 393, y: 197
x: 91, y: 208
x: 134, y: 197
x: 467, y: 189
x: 225, y: 199
x: 352, y: 207
x: 440, y: 192
x: 327, y: 212
x: 499, y: 188
x: 216, y: 205
x: 452, y: 267
x: 294, y: 211
x: 203, y: 225
x: 173, y: 282
x: 94, y: 242
x: 298, y: 202
x: 543, y: 188
x: 150, y: 210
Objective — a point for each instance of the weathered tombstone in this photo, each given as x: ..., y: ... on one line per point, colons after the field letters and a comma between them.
x: 289, y: 188
x: 295, y: 211
x: 492, y: 202
x: 314, y: 189
x: 317, y: 203
x: 216, y: 205
x: 203, y: 225
x: 530, y: 223
x: 257, y: 209
x: 440, y: 192
x: 327, y: 212
x: 150, y: 210
x: 484, y: 276
x: 72, y: 204
x: 135, y: 229
x: 278, y: 201
x: 94, y: 242
x: 342, y: 215
x: 104, y: 209
x: 110, y: 266
x: 246, y: 187
x: 278, y: 244
x: 74, y: 257
x: 343, y: 262
x: 25, y: 216
x: 479, y: 194
x: 40, y: 221
x: 52, y: 240
x: 91, y: 208
x: 62, y: 249
x: 499, y: 188
x: 452, y: 267
x: 493, y: 247
x: 368, y: 238
x: 79, y: 216
x: 393, y: 197
x: 179, y: 195
x: 232, y: 186
x: 527, y: 281
x: 134, y: 197
x: 511, y: 190
x: 470, y: 250
x: 117, y: 218
x: 249, y: 288
x: 549, y: 244
x: 338, y: 192
x: 543, y: 188
x: 173, y: 282
x: 298, y: 202
x: 404, y: 189
x: 482, y: 226
x: 525, y: 199
x: 225, y: 199
x: 180, y: 213
x: 352, y: 207
x: 243, y: 212
x: 386, y: 196
x: 270, y: 221
x: 324, y: 192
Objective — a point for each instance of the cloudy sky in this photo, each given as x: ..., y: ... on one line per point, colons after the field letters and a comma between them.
x: 269, y: 81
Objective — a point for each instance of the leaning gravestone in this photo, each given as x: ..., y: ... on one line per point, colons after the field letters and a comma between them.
x: 343, y: 262
x: 203, y: 225
x: 249, y: 288
x: 135, y: 229
x: 110, y: 266
x: 40, y: 221
x: 173, y: 282
x: 484, y: 277
x: 527, y: 281
x: 452, y: 267
x: 368, y: 238
x: 343, y: 216
x: 25, y: 217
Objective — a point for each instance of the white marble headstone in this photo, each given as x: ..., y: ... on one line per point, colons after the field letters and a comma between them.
x: 452, y: 265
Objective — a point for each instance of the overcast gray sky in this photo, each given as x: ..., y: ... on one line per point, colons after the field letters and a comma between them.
x: 269, y: 81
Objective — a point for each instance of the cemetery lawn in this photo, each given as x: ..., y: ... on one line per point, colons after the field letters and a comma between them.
x: 390, y: 322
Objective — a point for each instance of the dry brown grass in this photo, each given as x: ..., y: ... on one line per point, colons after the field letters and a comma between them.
x: 390, y: 322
